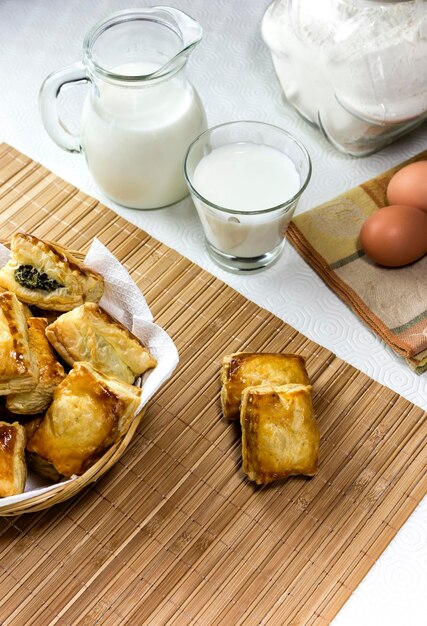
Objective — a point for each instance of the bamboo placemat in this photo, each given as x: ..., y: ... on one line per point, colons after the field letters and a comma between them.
x: 174, y: 533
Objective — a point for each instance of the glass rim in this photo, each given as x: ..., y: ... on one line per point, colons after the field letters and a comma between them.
x: 121, y: 17
x: 289, y: 201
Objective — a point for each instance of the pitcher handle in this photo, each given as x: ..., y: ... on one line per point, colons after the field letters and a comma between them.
x: 49, y: 93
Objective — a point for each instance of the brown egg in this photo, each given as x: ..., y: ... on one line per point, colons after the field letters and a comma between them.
x: 395, y: 235
x: 409, y: 186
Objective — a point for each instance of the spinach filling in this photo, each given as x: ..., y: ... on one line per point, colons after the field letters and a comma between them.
x: 30, y: 277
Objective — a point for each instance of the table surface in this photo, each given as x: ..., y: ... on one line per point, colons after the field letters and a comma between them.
x: 233, y: 73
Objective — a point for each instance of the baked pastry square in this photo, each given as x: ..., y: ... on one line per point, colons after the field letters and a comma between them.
x: 280, y: 437
x: 18, y: 370
x: 48, y: 276
x: 245, y: 369
x: 89, y: 412
x: 32, y: 424
x: 51, y: 372
x: 13, y: 470
x: 88, y: 333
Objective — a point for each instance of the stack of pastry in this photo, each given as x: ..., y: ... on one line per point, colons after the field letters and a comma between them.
x: 68, y: 384
x: 272, y: 396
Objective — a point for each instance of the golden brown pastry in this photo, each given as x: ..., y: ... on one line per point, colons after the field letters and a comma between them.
x: 48, y: 276
x: 89, y: 412
x: 18, y: 370
x: 25, y: 308
x: 34, y: 461
x: 13, y: 471
x: 43, y: 468
x: 31, y: 425
x: 244, y: 369
x: 50, y: 371
x: 280, y: 437
x: 88, y: 333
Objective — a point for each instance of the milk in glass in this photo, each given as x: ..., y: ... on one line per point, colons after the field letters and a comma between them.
x: 247, y: 178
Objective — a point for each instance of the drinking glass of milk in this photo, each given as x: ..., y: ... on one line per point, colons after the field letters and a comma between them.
x: 141, y: 112
x: 245, y: 179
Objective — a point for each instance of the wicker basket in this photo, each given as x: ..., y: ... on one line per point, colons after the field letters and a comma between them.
x: 68, y: 490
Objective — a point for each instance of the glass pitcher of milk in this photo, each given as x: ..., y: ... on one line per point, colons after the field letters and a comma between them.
x: 141, y: 112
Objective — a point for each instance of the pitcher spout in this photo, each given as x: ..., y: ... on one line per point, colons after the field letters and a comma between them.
x: 188, y: 30
x: 162, y: 36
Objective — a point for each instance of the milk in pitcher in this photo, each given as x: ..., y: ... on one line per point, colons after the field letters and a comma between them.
x: 135, y: 138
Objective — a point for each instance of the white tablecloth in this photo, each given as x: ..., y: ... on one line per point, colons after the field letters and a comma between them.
x: 233, y: 73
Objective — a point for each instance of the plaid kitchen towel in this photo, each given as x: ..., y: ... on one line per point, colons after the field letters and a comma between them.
x: 392, y: 301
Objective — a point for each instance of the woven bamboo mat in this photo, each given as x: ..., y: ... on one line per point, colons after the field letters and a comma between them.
x: 174, y: 533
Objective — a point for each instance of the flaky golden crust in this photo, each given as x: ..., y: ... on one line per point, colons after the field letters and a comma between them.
x: 50, y: 371
x: 13, y: 470
x: 42, y: 468
x: 79, y: 283
x: 18, y: 370
x: 280, y: 437
x: 31, y: 425
x: 245, y: 369
x: 89, y: 412
x: 89, y: 334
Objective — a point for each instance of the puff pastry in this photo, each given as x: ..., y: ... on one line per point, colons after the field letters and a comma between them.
x: 34, y: 462
x: 26, y: 309
x: 48, y: 276
x: 89, y: 412
x: 88, y: 333
x: 280, y: 437
x: 18, y: 370
x: 245, y: 369
x: 50, y: 371
x: 32, y: 424
x: 43, y: 468
x: 13, y: 470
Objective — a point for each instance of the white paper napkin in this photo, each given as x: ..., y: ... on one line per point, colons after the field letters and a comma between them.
x: 123, y: 300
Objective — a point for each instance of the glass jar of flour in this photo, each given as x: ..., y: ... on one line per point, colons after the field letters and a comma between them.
x: 355, y: 68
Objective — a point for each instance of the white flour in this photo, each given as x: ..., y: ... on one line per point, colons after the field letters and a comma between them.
x: 358, y: 68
